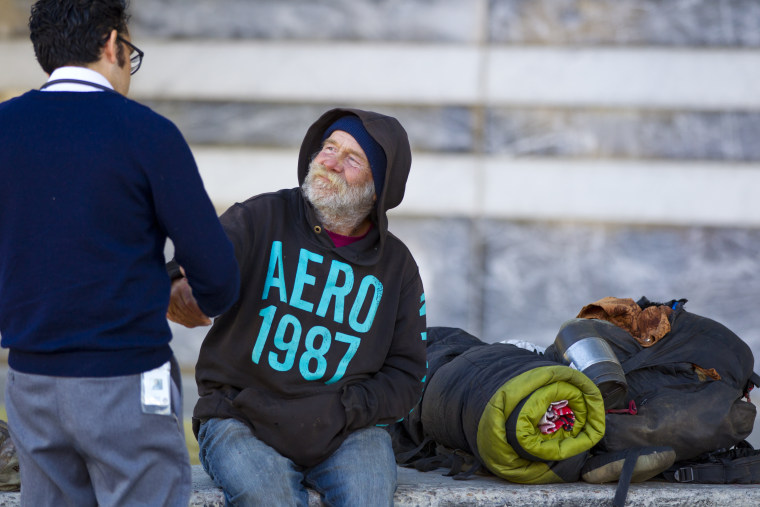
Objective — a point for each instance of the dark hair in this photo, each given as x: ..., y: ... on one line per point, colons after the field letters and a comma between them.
x: 73, y: 32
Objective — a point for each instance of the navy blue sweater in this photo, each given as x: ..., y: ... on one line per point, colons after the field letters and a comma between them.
x: 91, y: 185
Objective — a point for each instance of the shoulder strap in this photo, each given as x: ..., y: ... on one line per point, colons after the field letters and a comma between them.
x: 626, y: 473
x: 637, y: 359
x: 737, y: 466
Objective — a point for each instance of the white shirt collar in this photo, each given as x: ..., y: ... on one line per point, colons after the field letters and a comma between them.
x: 80, y: 74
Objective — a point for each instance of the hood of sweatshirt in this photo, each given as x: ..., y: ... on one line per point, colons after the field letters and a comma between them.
x: 389, y: 134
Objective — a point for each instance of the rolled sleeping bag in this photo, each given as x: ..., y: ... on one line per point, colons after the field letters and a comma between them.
x: 489, y: 401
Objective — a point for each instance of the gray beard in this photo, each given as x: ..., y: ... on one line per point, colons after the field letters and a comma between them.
x: 340, y: 207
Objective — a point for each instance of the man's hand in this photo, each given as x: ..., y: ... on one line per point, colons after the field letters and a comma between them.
x: 183, y: 309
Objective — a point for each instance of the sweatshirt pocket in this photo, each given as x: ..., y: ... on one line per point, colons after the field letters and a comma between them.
x: 306, y: 430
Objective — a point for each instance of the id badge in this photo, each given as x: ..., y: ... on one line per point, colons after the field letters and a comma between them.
x: 156, y: 394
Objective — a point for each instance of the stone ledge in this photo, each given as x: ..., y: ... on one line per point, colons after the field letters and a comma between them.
x: 434, y: 489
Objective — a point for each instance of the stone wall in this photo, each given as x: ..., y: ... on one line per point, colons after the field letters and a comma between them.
x: 564, y: 150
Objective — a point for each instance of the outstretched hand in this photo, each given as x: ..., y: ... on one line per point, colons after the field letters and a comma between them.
x: 183, y: 309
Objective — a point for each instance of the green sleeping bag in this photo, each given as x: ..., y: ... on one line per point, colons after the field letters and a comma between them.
x: 511, y: 445
x: 488, y: 400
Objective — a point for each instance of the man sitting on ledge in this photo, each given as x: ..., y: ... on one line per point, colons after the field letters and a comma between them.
x: 326, y: 343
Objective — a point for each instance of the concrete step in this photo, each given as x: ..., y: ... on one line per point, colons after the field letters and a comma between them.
x: 434, y: 489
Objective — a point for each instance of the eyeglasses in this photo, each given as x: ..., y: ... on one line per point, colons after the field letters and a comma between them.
x: 135, y: 59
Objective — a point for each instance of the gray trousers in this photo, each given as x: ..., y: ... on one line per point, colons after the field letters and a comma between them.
x: 86, y: 441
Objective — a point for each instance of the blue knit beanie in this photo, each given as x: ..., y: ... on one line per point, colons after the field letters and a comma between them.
x: 375, y: 153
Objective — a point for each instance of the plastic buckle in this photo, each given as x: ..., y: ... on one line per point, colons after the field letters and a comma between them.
x: 685, y: 474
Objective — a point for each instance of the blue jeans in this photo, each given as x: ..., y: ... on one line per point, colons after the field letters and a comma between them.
x: 361, y: 472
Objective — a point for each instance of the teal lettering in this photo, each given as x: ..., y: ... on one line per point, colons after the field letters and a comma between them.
x: 303, y: 278
x: 353, y: 317
x: 339, y: 292
x: 316, y: 354
x: 275, y: 264
x: 290, y: 347
x: 353, y: 345
x: 268, y: 314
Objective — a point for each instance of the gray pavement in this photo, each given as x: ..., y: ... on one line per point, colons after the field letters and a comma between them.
x: 433, y: 489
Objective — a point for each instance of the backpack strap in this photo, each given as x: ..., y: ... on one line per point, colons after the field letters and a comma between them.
x: 405, y: 457
x: 624, y: 482
x: 636, y: 360
x: 736, y: 466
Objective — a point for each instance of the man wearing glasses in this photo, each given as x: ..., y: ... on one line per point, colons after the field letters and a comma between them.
x: 93, y: 184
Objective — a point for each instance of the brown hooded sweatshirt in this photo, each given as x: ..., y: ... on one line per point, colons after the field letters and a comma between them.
x: 323, y: 340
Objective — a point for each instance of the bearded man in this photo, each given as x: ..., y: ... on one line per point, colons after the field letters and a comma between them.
x: 325, y: 344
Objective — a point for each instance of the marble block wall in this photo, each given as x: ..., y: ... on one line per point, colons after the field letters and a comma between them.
x: 565, y: 150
